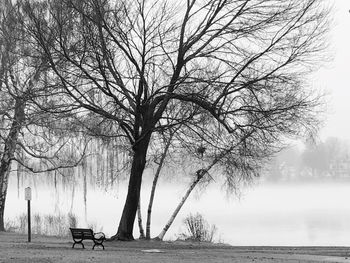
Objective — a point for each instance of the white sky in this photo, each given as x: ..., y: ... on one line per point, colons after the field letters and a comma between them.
x: 334, y: 77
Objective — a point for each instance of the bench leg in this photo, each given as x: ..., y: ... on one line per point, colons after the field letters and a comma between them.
x: 79, y: 242
x: 98, y: 244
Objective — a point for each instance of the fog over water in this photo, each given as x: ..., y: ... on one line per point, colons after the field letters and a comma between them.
x: 315, y: 212
x: 283, y: 213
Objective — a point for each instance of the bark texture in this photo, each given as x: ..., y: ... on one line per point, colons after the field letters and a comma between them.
x: 139, y: 217
x: 126, y: 224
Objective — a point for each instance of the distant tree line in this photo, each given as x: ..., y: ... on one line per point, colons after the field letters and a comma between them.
x: 323, y: 159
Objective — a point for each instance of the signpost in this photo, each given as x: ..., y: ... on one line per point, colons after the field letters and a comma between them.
x: 28, y: 197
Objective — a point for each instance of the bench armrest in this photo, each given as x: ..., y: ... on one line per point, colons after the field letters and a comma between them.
x: 100, y: 235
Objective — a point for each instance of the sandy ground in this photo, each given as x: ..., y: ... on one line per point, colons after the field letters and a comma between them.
x: 15, y: 248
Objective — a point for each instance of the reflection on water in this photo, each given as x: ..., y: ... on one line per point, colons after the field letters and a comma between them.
x: 267, y: 214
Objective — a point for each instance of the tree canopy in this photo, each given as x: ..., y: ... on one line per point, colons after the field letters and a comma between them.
x: 238, y: 66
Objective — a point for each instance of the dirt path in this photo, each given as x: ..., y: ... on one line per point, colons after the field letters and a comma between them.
x: 15, y: 248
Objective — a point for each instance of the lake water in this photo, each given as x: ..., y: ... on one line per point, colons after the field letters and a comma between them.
x: 305, y: 214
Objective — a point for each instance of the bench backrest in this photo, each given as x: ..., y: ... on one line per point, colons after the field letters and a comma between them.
x: 84, y: 233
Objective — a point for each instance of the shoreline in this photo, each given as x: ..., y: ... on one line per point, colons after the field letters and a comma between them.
x: 15, y: 248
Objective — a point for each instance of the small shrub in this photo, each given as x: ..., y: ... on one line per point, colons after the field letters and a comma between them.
x: 37, y: 224
x: 23, y: 223
x: 198, y: 229
x: 59, y: 225
x: 51, y: 225
x: 11, y: 226
x: 72, y: 220
x: 48, y: 223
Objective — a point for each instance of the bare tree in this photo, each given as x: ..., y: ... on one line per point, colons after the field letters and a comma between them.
x: 12, y: 100
x: 242, y: 62
x: 28, y: 135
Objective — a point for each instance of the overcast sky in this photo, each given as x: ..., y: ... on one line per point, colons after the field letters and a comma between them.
x: 334, y: 77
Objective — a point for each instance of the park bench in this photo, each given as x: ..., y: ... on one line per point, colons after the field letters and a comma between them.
x: 80, y: 234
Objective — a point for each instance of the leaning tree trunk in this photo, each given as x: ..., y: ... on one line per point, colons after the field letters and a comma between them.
x: 200, y: 174
x: 9, y: 151
x: 126, y: 224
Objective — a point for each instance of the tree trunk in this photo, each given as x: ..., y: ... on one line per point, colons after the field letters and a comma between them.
x: 126, y: 224
x: 200, y: 174
x: 9, y: 151
x: 139, y: 217
x: 154, y: 185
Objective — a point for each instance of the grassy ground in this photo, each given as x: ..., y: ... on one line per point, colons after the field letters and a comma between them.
x: 15, y: 248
